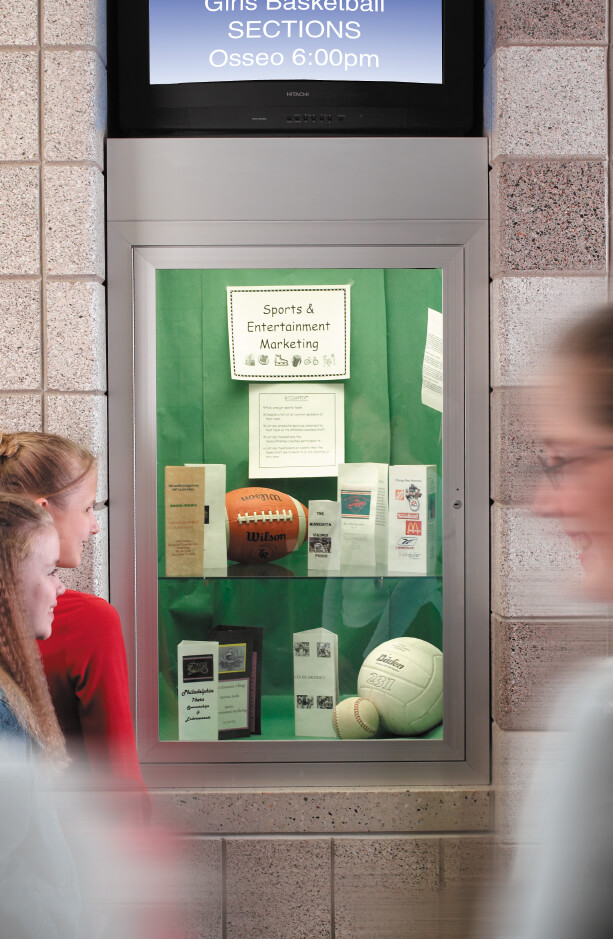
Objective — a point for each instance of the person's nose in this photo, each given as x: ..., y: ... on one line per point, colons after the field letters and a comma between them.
x: 94, y: 527
x: 60, y: 587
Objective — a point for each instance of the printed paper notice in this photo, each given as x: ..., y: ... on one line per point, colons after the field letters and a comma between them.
x: 432, y: 375
x: 296, y: 430
x: 289, y: 333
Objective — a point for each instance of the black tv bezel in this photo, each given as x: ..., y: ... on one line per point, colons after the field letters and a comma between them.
x: 269, y: 107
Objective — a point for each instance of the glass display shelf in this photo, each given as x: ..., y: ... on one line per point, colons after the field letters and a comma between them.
x: 363, y: 612
x: 277, y: 723
x: 296, y: 567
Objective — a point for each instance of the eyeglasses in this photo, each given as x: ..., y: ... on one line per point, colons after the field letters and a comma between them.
x: 555, y: 471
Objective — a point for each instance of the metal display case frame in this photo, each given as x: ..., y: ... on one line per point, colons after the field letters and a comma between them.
x: 341, y: 203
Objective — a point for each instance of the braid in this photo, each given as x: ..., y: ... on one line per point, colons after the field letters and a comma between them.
x: 22, y: 678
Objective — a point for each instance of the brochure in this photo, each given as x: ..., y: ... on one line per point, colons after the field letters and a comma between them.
x: 184, y: 515
x: 362, y: 493
x: 197, y: 663
x: 315, y: 682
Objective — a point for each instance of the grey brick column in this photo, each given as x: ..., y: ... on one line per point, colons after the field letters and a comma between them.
x: 52, y: 298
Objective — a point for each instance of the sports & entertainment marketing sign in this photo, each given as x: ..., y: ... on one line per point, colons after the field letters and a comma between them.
x: 289, y: 333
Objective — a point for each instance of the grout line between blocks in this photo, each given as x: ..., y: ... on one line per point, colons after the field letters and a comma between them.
x: 224, y: 890
x: 332, y: 888
x: 43, y: 252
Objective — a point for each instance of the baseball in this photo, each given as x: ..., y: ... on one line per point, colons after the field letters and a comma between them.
x: 355, y: 719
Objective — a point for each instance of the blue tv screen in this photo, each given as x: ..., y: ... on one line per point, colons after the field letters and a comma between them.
x: 198, y: 67
x: 295, y: 40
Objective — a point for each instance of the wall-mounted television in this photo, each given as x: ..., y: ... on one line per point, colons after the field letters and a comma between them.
x: 197, y: 67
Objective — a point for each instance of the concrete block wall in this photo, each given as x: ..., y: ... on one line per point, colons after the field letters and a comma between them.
x: 350, y: 864
x: 52, y: 297
x: 548, y: 126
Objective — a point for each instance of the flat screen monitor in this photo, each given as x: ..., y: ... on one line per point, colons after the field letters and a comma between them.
x: 294, y: 67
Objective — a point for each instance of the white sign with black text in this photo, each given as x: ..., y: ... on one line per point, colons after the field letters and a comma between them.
x: 296, y: 430
x: 289, y: 333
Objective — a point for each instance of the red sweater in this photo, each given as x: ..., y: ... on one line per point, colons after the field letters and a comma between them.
x: 87, y: 673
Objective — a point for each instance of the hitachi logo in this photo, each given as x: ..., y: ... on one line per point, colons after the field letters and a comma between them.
x: 298, y: 94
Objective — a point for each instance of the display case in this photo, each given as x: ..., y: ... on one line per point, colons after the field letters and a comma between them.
x: 393, y: 374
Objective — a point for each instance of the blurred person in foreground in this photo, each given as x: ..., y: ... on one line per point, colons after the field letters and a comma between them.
x: 66, y: 870
x: 562, y: 881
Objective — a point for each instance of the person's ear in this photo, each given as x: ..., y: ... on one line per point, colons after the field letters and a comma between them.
x: 42, y: 501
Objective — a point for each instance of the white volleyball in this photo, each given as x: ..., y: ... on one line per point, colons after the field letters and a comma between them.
x: 404, y: 680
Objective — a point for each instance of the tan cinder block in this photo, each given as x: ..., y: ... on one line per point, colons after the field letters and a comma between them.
x: 75, y: 23
x: 74, y: 220
x: 197, y: 923
x: 93, y: 574
x: 19, y: 220
x: 19, y: 23
x: 76, y: 345
x: 200, y: 864
x: 534, y: 662
x: 466, y: 860
x: 550, y: 102
x: 469, y: 876
x: 562, y: 21
x: 20, y: 328
x: 548, y: 216
x: 83, y: 418
x: 535, y: 570
x: 386, y: 887
x: 278, y: 888
x: 21, y: 412
x: 19, y: 105
x: 183, y: 890
x: 528, y: 315
x: 516, y: 445
x: 74, y: 106
x: 330, y: 811
x: 520, y: 760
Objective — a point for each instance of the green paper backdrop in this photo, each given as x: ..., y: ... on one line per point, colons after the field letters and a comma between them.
x: 202, y: 417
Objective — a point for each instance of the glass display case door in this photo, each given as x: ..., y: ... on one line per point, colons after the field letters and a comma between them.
x: 413, y: 306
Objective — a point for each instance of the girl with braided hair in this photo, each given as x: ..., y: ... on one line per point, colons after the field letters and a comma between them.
x: 29, y: 590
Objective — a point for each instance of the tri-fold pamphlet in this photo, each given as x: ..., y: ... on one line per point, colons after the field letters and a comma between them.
x: 412, y: 519
x: 195, y: 512
x: 184, y: 514
x: 215, y: 556
x: 315, y: 682
x: 324, y: 536
x: 197, y: 667
x: 362, y: 493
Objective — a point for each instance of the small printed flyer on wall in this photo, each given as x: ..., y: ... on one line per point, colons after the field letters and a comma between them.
x: 296, y: 430
x: 289, y: 333
x: 432, y: 373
